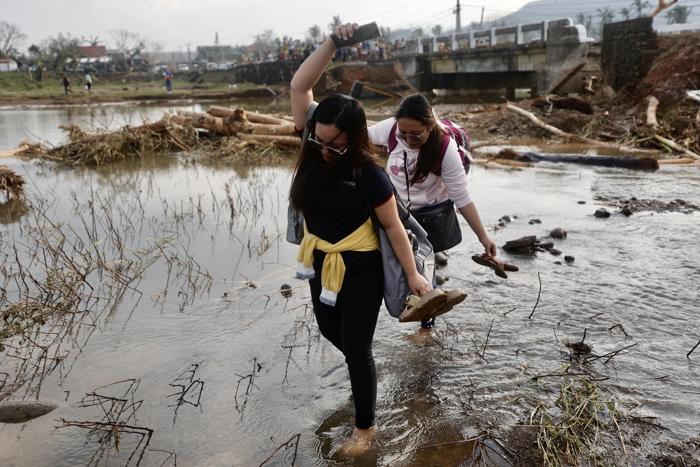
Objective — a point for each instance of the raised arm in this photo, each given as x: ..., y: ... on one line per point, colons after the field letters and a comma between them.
x: 309, y: 72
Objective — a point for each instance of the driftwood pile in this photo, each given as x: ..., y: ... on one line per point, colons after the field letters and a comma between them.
x: 218, y: 132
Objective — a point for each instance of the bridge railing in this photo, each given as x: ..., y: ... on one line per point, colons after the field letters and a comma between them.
x: 520, y: 34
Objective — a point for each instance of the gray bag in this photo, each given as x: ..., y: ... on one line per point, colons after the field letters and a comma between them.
x: 295, y: 225
x: 395, y: 282
x: 295, y: 218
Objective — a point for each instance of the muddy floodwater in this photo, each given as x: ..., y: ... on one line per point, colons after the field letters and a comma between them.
x: 183, y: 336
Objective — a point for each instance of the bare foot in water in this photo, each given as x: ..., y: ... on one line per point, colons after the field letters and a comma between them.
x: 358, y: 443
x: 422, y: 337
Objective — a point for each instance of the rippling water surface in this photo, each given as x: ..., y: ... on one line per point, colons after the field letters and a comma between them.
x: 203, y: 350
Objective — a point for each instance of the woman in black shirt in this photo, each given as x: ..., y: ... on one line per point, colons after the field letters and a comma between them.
x: 337, y: 184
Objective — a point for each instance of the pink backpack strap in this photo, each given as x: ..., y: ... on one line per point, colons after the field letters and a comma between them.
x: 437, y: 168
x: 393, y: 142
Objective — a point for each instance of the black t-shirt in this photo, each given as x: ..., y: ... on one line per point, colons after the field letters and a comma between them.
x: 345, y: 208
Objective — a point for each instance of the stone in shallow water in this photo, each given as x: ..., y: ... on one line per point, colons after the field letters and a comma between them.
x: 602, y: 213
x: 286, y: 290
x: 558, y: 233
x: 23, y: 411
x: 440, y: 259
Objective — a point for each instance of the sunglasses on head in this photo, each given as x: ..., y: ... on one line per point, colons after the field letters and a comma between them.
x: 320, y: 145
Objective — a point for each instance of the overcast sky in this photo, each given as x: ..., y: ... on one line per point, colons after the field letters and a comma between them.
x: 180, y: 22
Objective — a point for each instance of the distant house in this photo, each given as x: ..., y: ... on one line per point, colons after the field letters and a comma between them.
x: 93, y: 51
x: 7, y: 64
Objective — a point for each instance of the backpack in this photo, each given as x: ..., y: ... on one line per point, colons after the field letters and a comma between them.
x: 452, y: 131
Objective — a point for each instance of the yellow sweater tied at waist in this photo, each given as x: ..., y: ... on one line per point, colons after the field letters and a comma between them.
x: 364, y: 238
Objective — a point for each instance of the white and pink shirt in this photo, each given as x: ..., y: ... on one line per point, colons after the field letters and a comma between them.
x: 451, y: 184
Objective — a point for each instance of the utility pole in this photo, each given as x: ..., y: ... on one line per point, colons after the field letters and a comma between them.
x: 482, y: 16
x: 458, y: 13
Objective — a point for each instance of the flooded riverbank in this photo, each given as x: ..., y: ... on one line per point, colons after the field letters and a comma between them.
x: 186, y: 338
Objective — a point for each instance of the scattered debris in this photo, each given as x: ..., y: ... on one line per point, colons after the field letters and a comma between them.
x: 629, y: 206
x: 11, y: 184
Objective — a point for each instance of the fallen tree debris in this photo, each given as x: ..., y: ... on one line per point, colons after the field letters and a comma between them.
x: 651, y: 112
x: 217, y: 133
x: 11, y: 184
x: 568, y: 136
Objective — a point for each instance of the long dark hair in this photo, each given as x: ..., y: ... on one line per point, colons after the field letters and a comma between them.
x: 313, y: 176
x: 416, y: 107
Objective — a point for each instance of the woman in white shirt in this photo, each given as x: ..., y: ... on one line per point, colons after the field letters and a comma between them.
x: 424, y: 166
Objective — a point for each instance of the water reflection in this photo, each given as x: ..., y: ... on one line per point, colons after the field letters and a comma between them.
x: 229, y: 370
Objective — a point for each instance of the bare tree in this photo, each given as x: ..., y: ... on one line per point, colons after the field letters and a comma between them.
x: 10, y: 38
x: 59, y: 50
x: 129, y: 44
x: 264, y: 43
x: 94, y: 41
x: 153, y: 50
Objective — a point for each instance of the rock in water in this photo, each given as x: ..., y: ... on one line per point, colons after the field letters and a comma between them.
x: 440, y: 259
x: 23, y: 411
x: 558, y: 233
x: 602, y: 213
x: 286, y: 290
x: 569, y: 259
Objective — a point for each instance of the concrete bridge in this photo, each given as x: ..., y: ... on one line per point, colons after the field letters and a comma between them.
x: 535, y: 56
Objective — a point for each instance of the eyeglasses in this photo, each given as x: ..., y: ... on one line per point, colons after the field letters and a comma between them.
x: 410, y: 137
x: 320, y: 145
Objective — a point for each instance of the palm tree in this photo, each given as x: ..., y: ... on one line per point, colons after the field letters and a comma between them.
x: 436, y: 30
x: 625, y: 13
x: 335, y: 23
x: 640, y: 5
x: 678, y: 14
x: 418, y: 33
x: 606, y: 15
x: 314, y: 31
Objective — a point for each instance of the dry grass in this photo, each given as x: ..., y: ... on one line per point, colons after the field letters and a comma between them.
x: 101, y: 148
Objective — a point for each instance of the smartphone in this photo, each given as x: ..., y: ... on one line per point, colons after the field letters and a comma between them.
x: 363, y: 33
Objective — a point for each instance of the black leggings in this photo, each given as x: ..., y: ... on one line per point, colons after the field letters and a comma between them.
x: 349, y: 325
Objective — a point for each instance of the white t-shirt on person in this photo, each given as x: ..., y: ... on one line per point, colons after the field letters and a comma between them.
x: 451, y: 184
